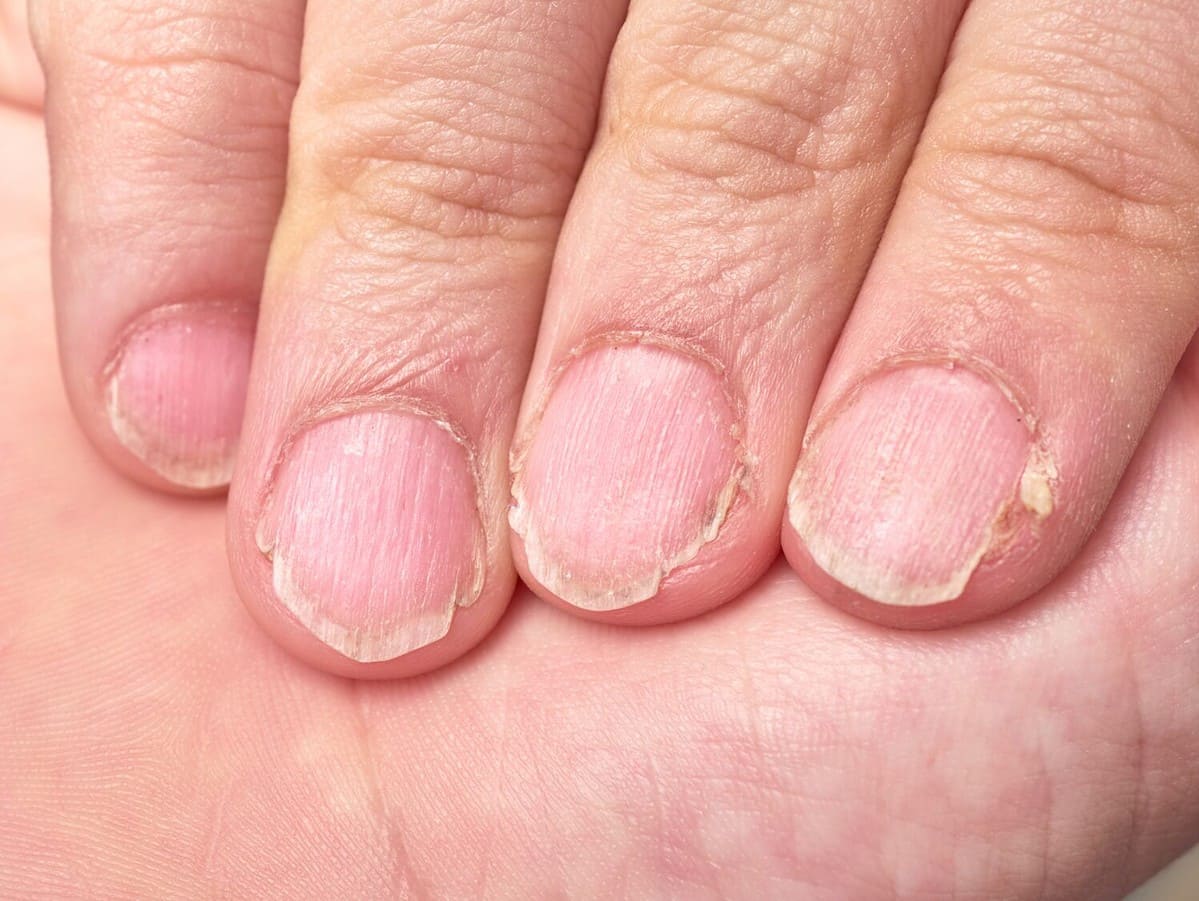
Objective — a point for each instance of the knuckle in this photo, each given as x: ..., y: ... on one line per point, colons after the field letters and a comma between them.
x: 415, y: 141
x: 761, y: 99
x: 1058, y: 138
x: 419, y: 171
x: 153, y: 68
x: 124, y: 37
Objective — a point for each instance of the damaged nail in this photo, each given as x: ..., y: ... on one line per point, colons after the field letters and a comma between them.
x: 175, y: 391
x: 634, y: 465
x: 916, y: 479
x: 373, y: 532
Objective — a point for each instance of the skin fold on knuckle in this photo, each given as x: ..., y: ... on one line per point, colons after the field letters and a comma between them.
x: 1106, y: 126
x: 759, y: 101
x: 454, y: 135
x: 115, y: 41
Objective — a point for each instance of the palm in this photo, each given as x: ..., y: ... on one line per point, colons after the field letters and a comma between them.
x: 153, y: 736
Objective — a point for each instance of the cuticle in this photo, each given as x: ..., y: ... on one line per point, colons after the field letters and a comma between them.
x: 150, y: 318
x: 898, y: 362
x: 629, y: 338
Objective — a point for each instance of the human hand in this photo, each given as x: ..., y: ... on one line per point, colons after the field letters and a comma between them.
x: 156, y: 743
x: 1036, y: 284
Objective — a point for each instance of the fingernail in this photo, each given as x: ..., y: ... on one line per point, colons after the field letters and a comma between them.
x: 914, y: 481
x: 373, y: 533
x: 176, y: 391
x: 632, y: 469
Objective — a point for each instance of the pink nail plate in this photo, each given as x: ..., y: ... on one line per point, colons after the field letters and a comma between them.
x: 176, y: 390
x: 373, y: 533
x: 914, y: 481
x: 633, y: 467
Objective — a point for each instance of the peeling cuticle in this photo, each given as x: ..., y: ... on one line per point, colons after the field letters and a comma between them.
x: 371, y: 524
x: 1037, y: 484
x: 631, y: 464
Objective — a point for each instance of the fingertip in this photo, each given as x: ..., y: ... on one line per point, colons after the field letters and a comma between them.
x: 925, y: 497
x: 363, y: 551
x: 632, y: 498
x: 162, y: 218
x: 632, y: 468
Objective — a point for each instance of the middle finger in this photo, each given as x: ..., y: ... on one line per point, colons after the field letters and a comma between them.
x: 747, y: 159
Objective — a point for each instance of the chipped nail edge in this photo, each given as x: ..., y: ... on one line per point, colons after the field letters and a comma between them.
x: 354, y: 644
x: 1030, y: 503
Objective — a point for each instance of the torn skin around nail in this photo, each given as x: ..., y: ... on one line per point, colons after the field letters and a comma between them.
x: 634, y: 466
x: 909, y: 490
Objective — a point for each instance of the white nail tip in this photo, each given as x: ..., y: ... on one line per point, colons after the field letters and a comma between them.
x: 624, y: 589
x: 200, y: 474
x: 360, y: 644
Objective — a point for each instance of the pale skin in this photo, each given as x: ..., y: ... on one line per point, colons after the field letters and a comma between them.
x: 156, y: 738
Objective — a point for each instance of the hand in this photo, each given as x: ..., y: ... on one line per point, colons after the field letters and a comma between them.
x: 156, y: 744
x: 1020, y: 257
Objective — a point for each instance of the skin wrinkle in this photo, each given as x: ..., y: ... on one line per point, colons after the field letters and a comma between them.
x: 244, y: 142
x: 1043, y: 250
x: 979, y: 181
x: 822, y: 94
x: 446, y: 201
x: 421, y: 227
x: 382, y: 367
x: 174, y: 52
x: 1065, y: 92
x: 1056, y: 45
x: 169, y: 65
x: 403, y: 877
x: 1140, y: 766
x: 510, y: 183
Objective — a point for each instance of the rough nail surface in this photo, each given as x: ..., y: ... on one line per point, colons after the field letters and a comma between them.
x: 914, y: 481
x: 633, y: 467
x: 176, y: 391
x: 373, y: 533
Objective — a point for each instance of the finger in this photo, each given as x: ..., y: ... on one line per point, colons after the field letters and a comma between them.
x: 20, y: 77
x: 715, y: 243
x: 167, y: 128
x: 1036, y: 287
x: 1074, y: 777
x: 434, y: 152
